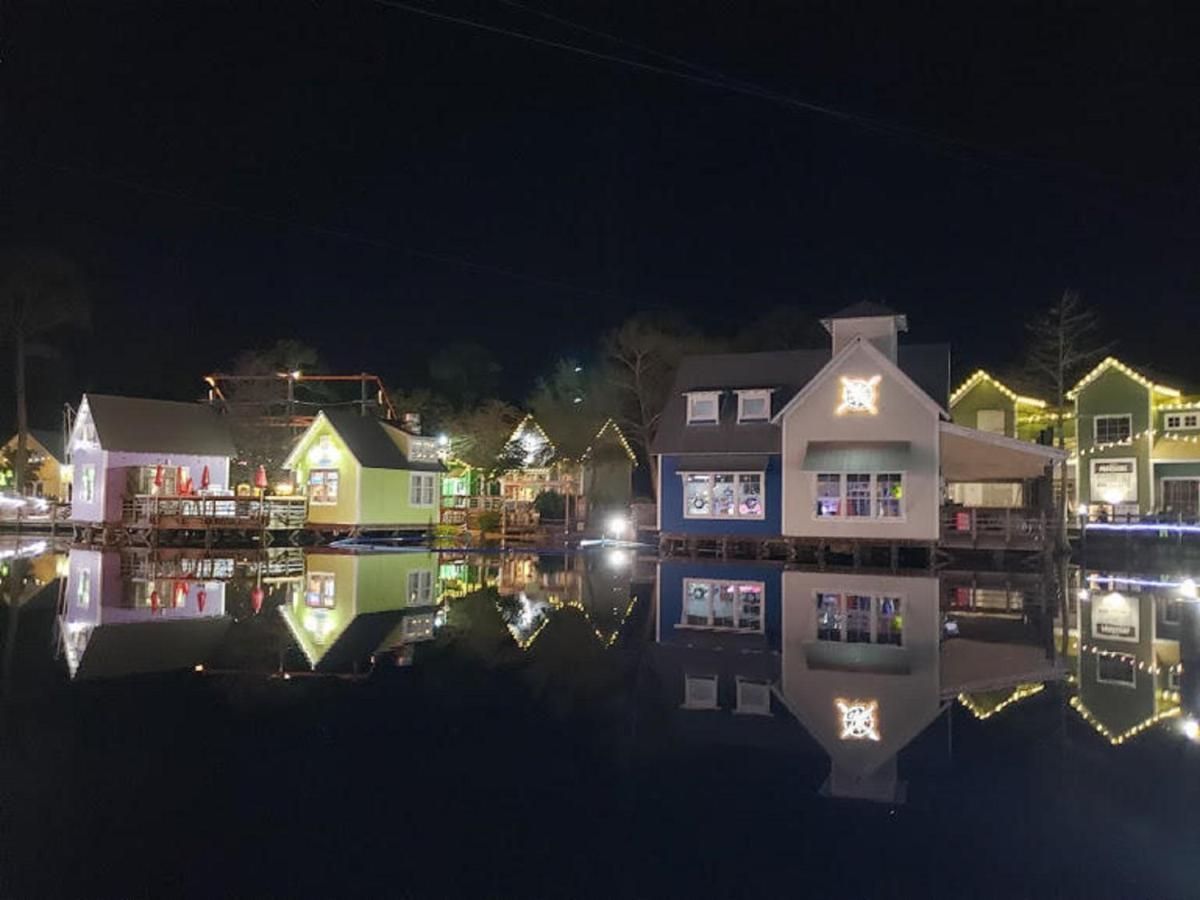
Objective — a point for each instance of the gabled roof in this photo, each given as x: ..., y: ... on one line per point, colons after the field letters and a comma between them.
x: 138, y: 425
x: 50, y: 441
x: 611, y: 428
x: 980, y: 376
x: 1110, y: 362
x: 138, y: 648
x: 787, y: 372
x: 373, y: 442
x: 866, y: 309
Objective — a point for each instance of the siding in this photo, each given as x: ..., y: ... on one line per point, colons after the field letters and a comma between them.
x: 671, y: 576
x: 984, y: 395
x: 385, y: 499
x: 671, y: 505
x: 1114, y: 393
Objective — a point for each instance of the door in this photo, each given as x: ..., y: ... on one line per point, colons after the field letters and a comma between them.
x: 1182, y: 496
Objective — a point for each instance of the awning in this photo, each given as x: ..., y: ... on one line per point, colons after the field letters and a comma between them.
x: 857, y: 456
x: 722, y: 462
x: 972, y: 455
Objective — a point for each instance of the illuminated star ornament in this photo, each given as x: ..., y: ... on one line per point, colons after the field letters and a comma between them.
x: 858, y: 720
x: 859, y: 395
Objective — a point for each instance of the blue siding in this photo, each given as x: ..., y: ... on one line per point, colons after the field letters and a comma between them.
x: 670, y: 594
x: 671, y: 501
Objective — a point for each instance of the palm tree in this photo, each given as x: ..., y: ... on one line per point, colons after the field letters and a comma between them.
x: 40, y: 291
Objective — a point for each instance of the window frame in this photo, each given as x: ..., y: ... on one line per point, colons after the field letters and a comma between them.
x: 842, y: 617
x: 991, y: 411
x: 308, y: 485
x: 423, y: 594
x: 763, y: 394
x: 1128, y: 417
x: 720, y: 584
x: 738, y: 515
x: 695, y: 397
x: 1132, y: 683
x: 689, y: 702
x: 1181, y: 423
x: 420, y: 486
x: 326, y: 596
x: 872, y: 496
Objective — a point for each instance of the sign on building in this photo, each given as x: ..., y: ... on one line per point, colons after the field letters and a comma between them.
x: 1115, y: 618
x: 1114, y: 481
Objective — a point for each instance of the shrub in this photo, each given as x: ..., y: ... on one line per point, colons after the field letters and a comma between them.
x: 550, y: 505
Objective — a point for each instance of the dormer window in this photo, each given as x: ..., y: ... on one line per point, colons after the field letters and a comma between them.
x: 754, y: 406
x: 702, y: 407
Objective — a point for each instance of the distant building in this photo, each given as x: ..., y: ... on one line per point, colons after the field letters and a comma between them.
x: 48, y: 459
x: 122, y: 447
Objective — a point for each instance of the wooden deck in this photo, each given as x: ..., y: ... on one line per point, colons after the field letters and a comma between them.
x: 214, y: 513
x: 980, y: 528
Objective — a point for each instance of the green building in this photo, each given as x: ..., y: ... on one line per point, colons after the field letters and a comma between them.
x: 359, y: 472
x: 987, y: 404
x: 1138, y: 444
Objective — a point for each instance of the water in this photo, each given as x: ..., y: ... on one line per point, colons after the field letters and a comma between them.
x: 445, y: 724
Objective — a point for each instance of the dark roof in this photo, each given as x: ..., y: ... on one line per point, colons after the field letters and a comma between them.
x: 864, y: 309
x: 787, y: 371
x: 137, y: 425
x: 362, y: 637
x: 368, y: 439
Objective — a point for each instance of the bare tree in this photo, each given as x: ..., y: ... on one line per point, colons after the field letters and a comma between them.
x: 40, y: 292
x: 1064, y: 344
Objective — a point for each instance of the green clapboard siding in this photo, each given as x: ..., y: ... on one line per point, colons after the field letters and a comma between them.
x: 385, y: 499
x: 984, y: 395
x: 1115, y: 393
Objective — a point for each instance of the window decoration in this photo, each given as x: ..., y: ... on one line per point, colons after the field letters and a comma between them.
x: 754, y: 406
x: 859, y: 619
x: 859, y: 494
x: 320, y: 590
x: 727, y: 605
x: 703, y: 408
x: 859, y: 395
x: 1114, y: 429
x: 723, y: 495
x: 859, y: 719
x: 421, y: 489
x: 323, y: 487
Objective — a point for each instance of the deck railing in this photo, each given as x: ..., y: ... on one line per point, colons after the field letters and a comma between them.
x: 157, y: 510
x: 988, y: 528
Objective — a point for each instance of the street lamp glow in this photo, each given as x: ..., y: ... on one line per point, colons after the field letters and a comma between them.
x: 1084, y: 594
x: 616, y: 526
x: 1187, y: 589
x: 1191, y: 729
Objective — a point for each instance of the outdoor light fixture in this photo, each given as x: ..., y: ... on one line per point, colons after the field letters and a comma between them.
x: 858, y: 719
x: 616, y: 527
x: 859, y: 395
x: 1084, y: 594
x: 296, y: 375
x: 1187, y: 589
x: 1191, y: 729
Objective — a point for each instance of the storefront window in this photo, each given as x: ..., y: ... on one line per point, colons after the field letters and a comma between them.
x: 860, y: 494
x: 323, y: 487
x: 829, y: 495
x: 733, y: 605
x: 859, y: 619
x: 723, y: 495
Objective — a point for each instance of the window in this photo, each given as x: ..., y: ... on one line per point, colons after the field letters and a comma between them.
x: 1182, y: 421
x: 421, y: 489
x: 753, y: 697
x: 320, y: 590
x: 991, y: 420
x: 702, y: 408
x: 723, y: 495
x: 728, y: 605
x: 1172, y: 611
x: 420, y: 588
x: 323, y: 487
x: 1174, y: 679
x: 754, y: 406
x: 1112, y: 429
x: 700, y: 691
x: 859, y: 619
x: 83, y: 591
x: 145, y: 479
x: 860, y: 494
x: 1119, y: 668
x: 87, y: 483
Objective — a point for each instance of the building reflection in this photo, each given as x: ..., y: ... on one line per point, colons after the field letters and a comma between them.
x: 112, y: 624
x: 864, y: 663
x: 350, y: 607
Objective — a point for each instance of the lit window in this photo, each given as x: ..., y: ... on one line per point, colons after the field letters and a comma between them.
x: 889, y: 495
x: 702, y: 408
x: 754, y: 406
x: 723, y: 495
x: 859, y: 494
x: 83, y: 592
x: 859, y: 619
x: 729, y: 605
x: 420, y: 588
x: 829, y: 495
x: 421, y: 489
x: 323, y: 487
x: 829, y: 617
x: 320, y: 590
x: 889, y: 623
x: 991, y: 420
x: 1118, y: 668
x: 1112, y: 429
x: 87, y: 483
x: 1182, y: 421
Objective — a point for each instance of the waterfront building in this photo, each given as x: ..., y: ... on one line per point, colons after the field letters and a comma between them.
x: 47, y: 461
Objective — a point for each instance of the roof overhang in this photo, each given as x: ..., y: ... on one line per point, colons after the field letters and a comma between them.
x: 972, y: 455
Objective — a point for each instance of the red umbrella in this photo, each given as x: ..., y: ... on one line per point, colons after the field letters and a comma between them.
x: 256, y: 599
x: 260, y: 477
x: 201, y: 598
x: 158, y: 479
x: 153, y: 602
x: 189, y: 488
x: 179, y: 594
x: 204, y: 478
x: 179, y: 480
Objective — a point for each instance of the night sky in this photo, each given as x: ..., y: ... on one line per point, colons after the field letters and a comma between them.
x: 379, y: 183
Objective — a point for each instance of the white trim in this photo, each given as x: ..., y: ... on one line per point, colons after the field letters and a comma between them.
x: 737, y: 516
x: 694, y: 396
x: 1167, y: 416
x: 744, y: 394
x: 1137, y: 478
x: 416, y: 484
x: 881, y: 360
x: 290, y: 462
x: 1096, y: 427
x: 1133, y: 670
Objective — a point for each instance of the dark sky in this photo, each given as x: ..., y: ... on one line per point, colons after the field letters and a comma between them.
x: 229, y: 173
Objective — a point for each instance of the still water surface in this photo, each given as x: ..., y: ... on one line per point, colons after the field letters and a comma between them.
x: 324, y: 723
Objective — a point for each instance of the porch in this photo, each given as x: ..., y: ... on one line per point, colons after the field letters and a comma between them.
x: 984, y: 528
x: 199, y: 513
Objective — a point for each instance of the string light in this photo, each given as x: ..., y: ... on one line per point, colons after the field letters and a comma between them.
x: 1113, y: 362
x: 980, y: 375
x: 1134, y: 731
x: 1019, y: 693
x: 620, y: 437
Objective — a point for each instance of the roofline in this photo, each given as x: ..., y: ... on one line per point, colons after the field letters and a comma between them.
x: 289, y: 462
x: 896, y: 371
x: 981, y: 375
x: 1110, y: 361
x: 1004, y: 441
